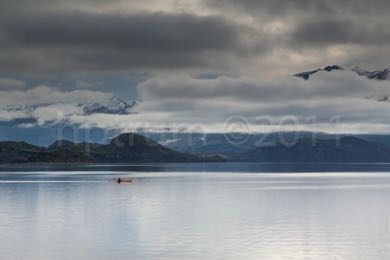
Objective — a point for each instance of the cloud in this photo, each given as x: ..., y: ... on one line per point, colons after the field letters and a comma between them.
x: 45, y: 94
x: 55, y: 113
x: 141, y: 31
x: 82, y: 84
x: 324, y: 85
x: 312, y: 29
x: 182, y: 102
x: 63, y: 39
x: 331, y: 32
x: 308, y: 7
x: 76, y: 41
x: 12, y: 115
x: 46, y: 104
x: 328, y: 102
x: 180, y: 49
x: 7, y: 83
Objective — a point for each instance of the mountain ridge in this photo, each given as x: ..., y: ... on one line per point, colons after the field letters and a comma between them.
x: 373, y: 75
x: 114, y: 105
x: 347, y: 149
x: 125, y: 148
x: 307, y: 74
x: 134, y: 148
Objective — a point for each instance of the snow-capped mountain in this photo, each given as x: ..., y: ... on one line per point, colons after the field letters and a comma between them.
x: 22, y: 109
x: 307, y: 74
x: 113, y: 106
x: 19, y: 108
x: 377, y: 74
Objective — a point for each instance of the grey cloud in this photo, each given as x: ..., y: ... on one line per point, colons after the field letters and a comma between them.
x: 311, y: 27
x: 185, y: 99
x: 272, y: 6
x: 292, y: 7
x: 7, y: 83
x: 177, y: 102
x: 46, y: 104
x: 45, y: 94
x: 319, y: 23
x: 323, y: 85
x: 76, y: 41
x: 143, y: 31
x: 89, y: 39
x: 317, y: 33
x: 370, y: 57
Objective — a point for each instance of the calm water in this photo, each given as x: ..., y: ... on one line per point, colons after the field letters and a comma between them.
x: 171, y: 212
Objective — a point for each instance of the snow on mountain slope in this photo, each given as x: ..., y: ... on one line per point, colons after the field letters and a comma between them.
x: 113, y: 106
x: 306, y: 75
x: 377, y: 74
x: 380, y: 75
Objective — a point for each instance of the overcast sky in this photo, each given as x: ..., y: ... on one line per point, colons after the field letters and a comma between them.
x: 198, y: 61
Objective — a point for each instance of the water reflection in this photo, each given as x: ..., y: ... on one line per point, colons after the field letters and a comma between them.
x: 190, y: 215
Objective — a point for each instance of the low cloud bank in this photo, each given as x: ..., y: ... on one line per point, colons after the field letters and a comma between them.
x: 333, y: 102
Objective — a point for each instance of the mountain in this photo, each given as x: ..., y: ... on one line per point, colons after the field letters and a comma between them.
x: 307, y: 74
x: 223, y: 144
x: 134, y: 148
x: 347, y: 149
x: 377, y: 74
x: 20, y: 108
x: 332, y: 68
x: 17, y: 151
x: 113, y: 106
x: 202, y: 144
x: 125, y: 148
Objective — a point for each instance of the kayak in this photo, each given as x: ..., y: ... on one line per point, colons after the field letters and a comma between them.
x: 124, y: 181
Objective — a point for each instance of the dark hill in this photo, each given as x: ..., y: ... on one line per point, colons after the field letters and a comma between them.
x: 17, y: 151
x: 136, y: 148
x: 126, y: 148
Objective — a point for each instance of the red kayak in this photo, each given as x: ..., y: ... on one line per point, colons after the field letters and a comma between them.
x: 119, y: 180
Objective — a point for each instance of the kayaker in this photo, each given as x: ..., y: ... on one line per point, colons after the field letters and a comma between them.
x: 119, y: 180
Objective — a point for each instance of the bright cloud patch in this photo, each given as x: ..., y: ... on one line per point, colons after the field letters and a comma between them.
x: 329, y: 102
x: 339, y: 101
x: 45, y: 103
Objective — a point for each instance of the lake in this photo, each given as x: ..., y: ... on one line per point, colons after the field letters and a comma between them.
x: 189, y: 211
